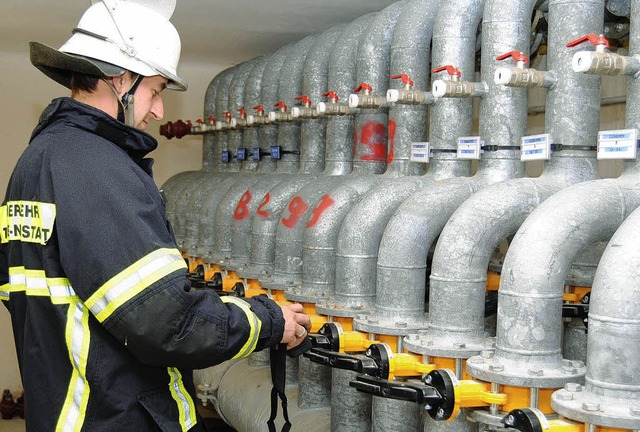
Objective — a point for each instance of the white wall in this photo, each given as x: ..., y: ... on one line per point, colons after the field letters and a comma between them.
x: 26, y: 92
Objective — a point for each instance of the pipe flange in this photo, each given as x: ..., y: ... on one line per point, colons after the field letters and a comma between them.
x: 483, y: 416
x: 504, y: 371
x: 436, y: 347
x: 576, y: 402
x: 280, y: 282
x: 331, y: 309
x: 254, y: 272
x: 298, y: 295
x: 393, y: 327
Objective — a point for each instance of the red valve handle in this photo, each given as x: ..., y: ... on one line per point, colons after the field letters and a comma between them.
x: 280, y: 105
x: 305, y: 100
x: 451, y: 70
x: 199, y: 121
x: 243, y: 113
x: 188, y: 122
x: 211, y: 119
x: 259, y: 109
x: 227, y: 115
x: 363, y: 86
x: 331, y: 94
x: 593, y: 39
x: 404, y: 77
x: 517, y: 56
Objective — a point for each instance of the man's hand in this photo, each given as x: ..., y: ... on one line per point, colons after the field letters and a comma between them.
x: 296, y: 325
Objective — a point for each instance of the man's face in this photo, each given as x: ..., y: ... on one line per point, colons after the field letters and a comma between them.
x: 148, y: 101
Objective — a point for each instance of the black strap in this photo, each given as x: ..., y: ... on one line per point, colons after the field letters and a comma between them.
x: 278, y: 361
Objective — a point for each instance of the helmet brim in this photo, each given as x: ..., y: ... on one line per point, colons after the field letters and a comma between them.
x: 58, y: 65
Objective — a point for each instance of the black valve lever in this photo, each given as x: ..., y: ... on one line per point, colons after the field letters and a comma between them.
x: 523, y: 420
x: 580, y: 311
x: 356, y: 363
x: 420, y: 394
x: 301, y: 348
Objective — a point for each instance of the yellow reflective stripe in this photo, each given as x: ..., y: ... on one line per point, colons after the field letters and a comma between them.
x: 254, y: 323
x: 27, y: 221
x: 35, y: 283
x: 133, y: 280
x: 186, y: 408
x: 77, y: 337
x: 4, y: 291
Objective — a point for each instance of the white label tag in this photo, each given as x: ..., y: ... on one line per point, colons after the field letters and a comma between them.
x: 618, y: 144
x: 535, y: 147
x: 420, y: 152
x: 469, y: 148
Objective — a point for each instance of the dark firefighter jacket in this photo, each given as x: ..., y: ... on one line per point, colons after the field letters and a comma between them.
x: 107, y: 330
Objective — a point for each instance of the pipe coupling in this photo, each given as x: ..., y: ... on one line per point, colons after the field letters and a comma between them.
x: 457, y: 89
x: 409, y: 97
x: 604, y: 63
x: 522, y: 77
x: 370, y: 101
x: 332, y: 108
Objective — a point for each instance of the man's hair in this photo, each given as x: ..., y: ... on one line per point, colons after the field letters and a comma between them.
x: 83, y: 82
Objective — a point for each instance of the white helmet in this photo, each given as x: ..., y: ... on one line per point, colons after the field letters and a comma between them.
x: 117, y: 35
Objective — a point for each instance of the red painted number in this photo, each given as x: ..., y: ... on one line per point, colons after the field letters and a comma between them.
x: 242, y: 211
x: 263, y: 213
x: 297, y: 207
x: 324, y: 204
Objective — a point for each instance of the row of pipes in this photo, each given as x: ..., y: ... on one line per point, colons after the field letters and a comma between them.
x: 440, y: 300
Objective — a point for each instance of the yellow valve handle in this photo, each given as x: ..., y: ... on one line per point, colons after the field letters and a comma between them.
x: 408, y: 365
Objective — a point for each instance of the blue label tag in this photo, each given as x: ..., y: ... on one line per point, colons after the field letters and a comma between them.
x: 241, y: 154
x: 256, y: 153
x: 275, y: 152
x: 226, y: 156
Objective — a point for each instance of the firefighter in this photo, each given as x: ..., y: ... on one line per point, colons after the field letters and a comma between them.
x: 106, y: 327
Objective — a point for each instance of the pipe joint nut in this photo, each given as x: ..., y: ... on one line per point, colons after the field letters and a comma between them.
x: 604, y: 63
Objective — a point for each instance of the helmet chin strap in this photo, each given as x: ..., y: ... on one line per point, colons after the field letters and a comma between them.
x: 126, y: 107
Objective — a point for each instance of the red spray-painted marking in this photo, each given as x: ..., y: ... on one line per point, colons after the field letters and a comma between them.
x: 297, y: 207
x: 324, y: 204
x: 242, y: 211
x: 373, y: 136
x: 392, y: 140
x: 263, y: 213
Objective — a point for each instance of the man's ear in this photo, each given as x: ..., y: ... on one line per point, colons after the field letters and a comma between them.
x: 121, y: 82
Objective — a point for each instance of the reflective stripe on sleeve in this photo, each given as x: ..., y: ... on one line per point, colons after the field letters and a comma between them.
x: 4, y: 292
x: 254, y: 323
x: 186, y: 408
x: 35, y: 283
x: 133, y: 280
x: 77, y: 337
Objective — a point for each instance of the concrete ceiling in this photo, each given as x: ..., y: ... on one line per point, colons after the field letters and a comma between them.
x: 224, y: 32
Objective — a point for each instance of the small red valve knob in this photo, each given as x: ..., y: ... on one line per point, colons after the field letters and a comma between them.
x: 305, y: 100
x: 363, y: 86
x: 331, y: 94
x: 518, y: 56
x: 280, y: 105
x: 592, y: 38
x: 199, y: 121
x: 404, y: 77
x: 451, y: 70
x: 243, y: 113
x: 227, y: 115
x: 259, y: 109
x: 211, y: 119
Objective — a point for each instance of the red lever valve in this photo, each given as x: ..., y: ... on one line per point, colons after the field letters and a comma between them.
x: 243, y: 113
x: 305, y: 100
x: 451, y: 70
x: 259, y: 109
x: 331, y: 94
x: 280, y: 105
x: 363, y: 86
x: 227, y: 115
x: 518, y: 56
x: 404, y: 77
x: 592, y: 38
x: 211, y: 119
